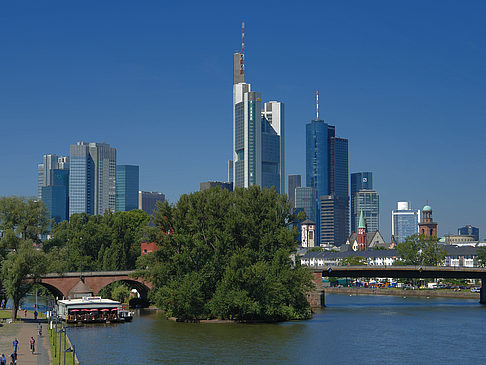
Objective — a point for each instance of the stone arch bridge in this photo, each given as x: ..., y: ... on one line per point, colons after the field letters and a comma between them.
x: 79, y: 284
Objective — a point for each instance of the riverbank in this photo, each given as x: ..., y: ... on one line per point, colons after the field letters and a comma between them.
x: 439, y: 293
x: 23, y: 329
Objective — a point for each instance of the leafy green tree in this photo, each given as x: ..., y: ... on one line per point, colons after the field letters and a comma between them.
x: 120, y: 293
x: 481, y: 252
x: 353, y: 261
x: 419, y: 250
x: 26, y: 216
x: 19, y: 272
x: 226, y: 255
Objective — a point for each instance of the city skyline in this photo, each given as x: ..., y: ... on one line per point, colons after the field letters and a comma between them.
x: 379, y: 78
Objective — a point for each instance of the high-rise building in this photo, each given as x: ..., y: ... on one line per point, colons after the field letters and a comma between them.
x: 306, y: 199
x: 206, y: 185
x: 92, y: 180
x: 44, y: 170
x: 127, y: 180
x: 55, y: 196
x: 469, y: 230
x: 334, y: 218
x: 258, y: 135
x: 367, y: 202
x: 147, y: 201
x: 405, y: 222
x: 359, y: 181
x: 229, y: 169
x: 294, y: 181
x: 327, y: 172
x: 273, y: 149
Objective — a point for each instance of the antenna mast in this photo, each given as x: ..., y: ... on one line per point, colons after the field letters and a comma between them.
x: 242, y: 57
x: 317, y: 104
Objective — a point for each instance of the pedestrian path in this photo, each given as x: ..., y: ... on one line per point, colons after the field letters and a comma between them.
x: 23, y: 332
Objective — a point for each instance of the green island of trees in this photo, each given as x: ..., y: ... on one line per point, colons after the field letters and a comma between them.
x: 226, y: 255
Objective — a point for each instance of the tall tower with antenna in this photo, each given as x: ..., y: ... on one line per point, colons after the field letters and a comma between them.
x: 258, y: 133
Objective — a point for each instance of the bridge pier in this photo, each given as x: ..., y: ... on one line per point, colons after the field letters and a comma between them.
x: 482, y: 293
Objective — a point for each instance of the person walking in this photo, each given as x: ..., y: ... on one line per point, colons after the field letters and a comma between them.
x: 35, y: 314
x: 3, y: 360
x: 25, y: 313
x: 14, y: 358
x: 15, y: 345
x: 32, y: 344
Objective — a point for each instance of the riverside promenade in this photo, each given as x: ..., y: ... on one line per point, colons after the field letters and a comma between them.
x: 23, y: 329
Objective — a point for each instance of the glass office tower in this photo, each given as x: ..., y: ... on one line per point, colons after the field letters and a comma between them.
x: 359, y: 181
x: 306, y: 199
x: 368, y: 203
x: 273, y: 148
x: 294, y: 181
x: 127, y: 179
x: 92, y: 180
x: 405, y: 222
x: 327, y: 172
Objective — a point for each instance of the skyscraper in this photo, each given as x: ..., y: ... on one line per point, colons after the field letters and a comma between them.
x: 127, y: 181
x: 327, y: 172
x: 55, y: 195
x: 273, y: 149
x: 306, y: 199
x: 359, y: 181
x: 334, y: 219
x: 147, y: 201
x: 367, y: 202
x: 92, y: 180
x: 404, y: 222
x: 229, y: 169
x: 44, y: 170
x: 469, y: 231
x: 294, y: 181
x: 258, y: 135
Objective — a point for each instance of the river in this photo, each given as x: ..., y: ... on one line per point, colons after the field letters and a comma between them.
x: 350, y: 330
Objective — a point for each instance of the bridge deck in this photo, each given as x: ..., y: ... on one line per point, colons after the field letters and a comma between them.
x: 403, y: 272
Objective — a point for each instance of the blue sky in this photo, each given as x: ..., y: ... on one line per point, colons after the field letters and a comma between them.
x: 404, y: 82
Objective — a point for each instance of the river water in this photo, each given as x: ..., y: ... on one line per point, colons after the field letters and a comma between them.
x: 350, y: 330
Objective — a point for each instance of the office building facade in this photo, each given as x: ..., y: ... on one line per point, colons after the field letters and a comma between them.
x: 405, y: 222
x: 206, y: 185
x: 147, y: 201
x: 55, y: 195
x: 294, y: 181
x: 127, y: 185
x: 44, y: 170
x: 273, y: 147
x: 327, y: 172
x: 367, y: 203
x: 359, y: 181
x: 334, y: 219
x: 469, y: 230
x: 92, y: 181
x: 306, y: 199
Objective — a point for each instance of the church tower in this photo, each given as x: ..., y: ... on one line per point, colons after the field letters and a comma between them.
x: 362, y: 244
x: 427, y: 227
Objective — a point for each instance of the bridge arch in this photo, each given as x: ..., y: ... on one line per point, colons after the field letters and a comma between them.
x: 141, y: 288
x: 57, y: 293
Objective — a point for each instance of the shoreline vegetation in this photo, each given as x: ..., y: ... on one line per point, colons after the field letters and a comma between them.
x: 437, y: 293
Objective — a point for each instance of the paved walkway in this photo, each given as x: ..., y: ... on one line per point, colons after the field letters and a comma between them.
x: 23, y: 331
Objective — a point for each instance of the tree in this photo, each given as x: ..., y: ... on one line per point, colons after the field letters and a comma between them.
x: 481, y: 252
x: 120, y: 293
x: 226, y: 255
x: 353, y: 261
x: 420, y: 250
x: 20, y: 270
x: 26, y: 216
